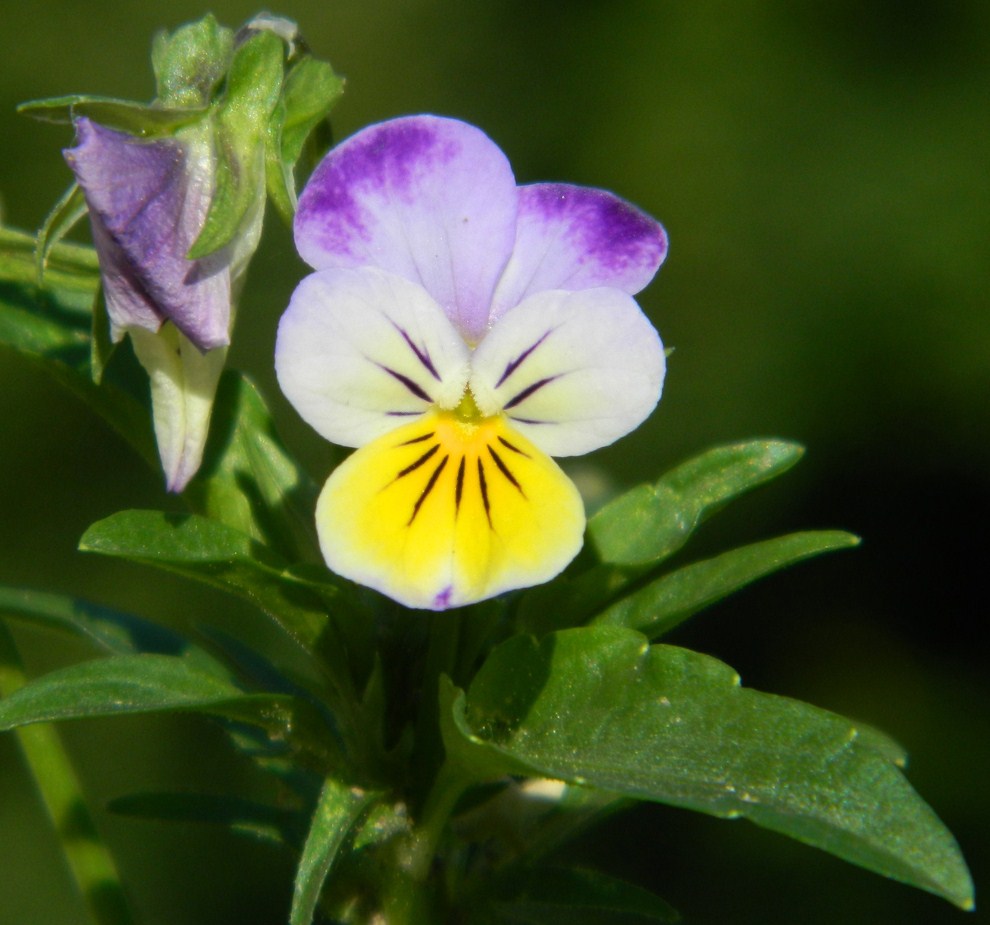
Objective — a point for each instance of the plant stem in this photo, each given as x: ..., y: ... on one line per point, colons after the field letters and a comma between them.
x: 407, y: 899
x: 90, y: 863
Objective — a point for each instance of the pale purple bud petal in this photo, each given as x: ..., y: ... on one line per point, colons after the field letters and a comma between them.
x: 148, y: 201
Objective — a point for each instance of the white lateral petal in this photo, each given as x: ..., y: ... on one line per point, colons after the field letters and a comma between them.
x: 430, y: 199
x: 360, y: 352
x: 573, y: 371
x: 574, y: 237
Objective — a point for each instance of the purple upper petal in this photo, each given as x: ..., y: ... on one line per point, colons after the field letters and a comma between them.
x: 430, y: 199
x: 148, y: 201
x: 572, y: 237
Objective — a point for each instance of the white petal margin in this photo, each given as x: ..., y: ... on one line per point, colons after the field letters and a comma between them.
x: 361, y: 352
x: 574, y: 237
x: 572, y: 371
x: 431, y: 199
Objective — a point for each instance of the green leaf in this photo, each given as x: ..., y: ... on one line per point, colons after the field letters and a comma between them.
x: 111, y: 630
x: 665, y: 602
x: 339, y: 812
x: 49, y: 327
x: 128, y: 684
x: 89, y: 862
x: 254, y: 84
x: 123, y: 413
x: 248, y: 480
x: 561, y: 896
x: 215, y: 554
x: 71, y: 280
x: 191, y: 61
x: 138, y: 119
x: 600, y: 707
x: 651, y: 522
x: 246, y: 817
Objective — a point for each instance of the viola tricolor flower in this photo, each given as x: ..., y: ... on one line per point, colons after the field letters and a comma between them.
x: 460, y: 331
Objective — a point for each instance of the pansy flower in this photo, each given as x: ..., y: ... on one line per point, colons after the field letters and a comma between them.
x: 460, y: 331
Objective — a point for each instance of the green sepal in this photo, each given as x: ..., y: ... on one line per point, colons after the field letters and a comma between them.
x: 599, y: 707
x: 311, y: 90
x: 191, y: 61
x: 139, y: 119
x: 101, y: 343
x: 651, y: 522
x: 665, y: 602
x: 64, y: 215
x: 254, y: 84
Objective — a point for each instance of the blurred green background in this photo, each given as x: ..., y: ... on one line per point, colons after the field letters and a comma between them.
x: 822, y: 170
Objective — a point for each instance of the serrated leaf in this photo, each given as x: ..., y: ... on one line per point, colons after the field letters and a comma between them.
x: 598, y: 706
x: 339, y: 812
x: 246, y: 817
x: 669, y: 600
x: 248, y: 480
x: 216, y: 554
x: 562, y: 896
x: 139, y: 119
x: 651, y: 522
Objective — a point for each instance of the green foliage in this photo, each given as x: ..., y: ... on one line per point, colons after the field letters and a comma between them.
x: 248, y: 480
x: 311, y: 91
x: 663, y: 603
x: 136, y: 119
x: 560, y: 896
x: 128, y: 684
x: 218, y: 555
x: 89, y: 860
x: 339, y: 811
x: 241, y: 124
x: 652, y: 522
x: 245, y: 817
x: 599, y: 707
x: 190, y: 62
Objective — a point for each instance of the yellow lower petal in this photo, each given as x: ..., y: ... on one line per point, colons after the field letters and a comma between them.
x: 443, y: 512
